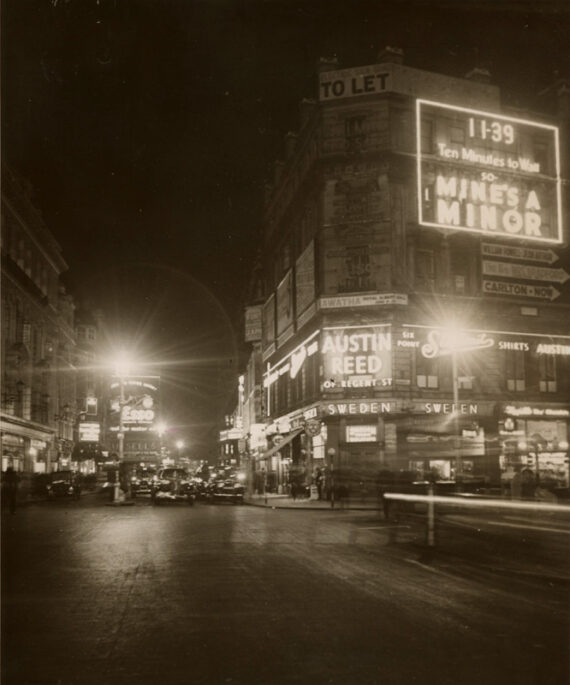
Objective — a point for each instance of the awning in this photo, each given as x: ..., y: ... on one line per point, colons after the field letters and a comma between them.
x: 292, y: 435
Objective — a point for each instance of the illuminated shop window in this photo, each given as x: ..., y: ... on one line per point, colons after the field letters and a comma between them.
x: 515, y: 370
x: 547, y: 371
x: 427, y: 371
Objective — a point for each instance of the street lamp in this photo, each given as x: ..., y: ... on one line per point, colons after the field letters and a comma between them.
x: 122, y: 369
x: 179, y: 447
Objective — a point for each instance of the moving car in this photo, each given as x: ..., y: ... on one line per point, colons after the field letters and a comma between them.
x: 141, y: 481
x: 63, y: 484
x: 228, y: 490
x: 172, y: 484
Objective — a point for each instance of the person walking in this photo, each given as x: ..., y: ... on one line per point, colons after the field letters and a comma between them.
x: 10, y: 489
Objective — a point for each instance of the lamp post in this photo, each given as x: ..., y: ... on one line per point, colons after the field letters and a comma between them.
x: 457, y: 441
x: 122, y: 368
x: 179, y: 448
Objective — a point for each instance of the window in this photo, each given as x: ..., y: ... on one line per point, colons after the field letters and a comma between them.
x: 354, y: 133
x: 515, y: 370
x: 457, y: 134
x: 547, y: 373
x: 425, y: 270
x: 357, y: 270
x: 427, y: 371
x: 427, y: 136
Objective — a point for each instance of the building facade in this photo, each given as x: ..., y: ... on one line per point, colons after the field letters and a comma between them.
x: 415, y: 257
x: 38, y: 409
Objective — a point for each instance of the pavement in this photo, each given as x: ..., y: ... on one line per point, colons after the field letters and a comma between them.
x: 275, y: 501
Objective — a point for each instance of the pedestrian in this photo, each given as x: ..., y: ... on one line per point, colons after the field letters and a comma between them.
x: 10, y: 489
x: 528, y: 485
x: 319, y: 480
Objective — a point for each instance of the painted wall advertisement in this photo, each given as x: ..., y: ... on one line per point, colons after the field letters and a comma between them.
x: 140, y: 406
x: 484, y: 172
x: 305, y: 279
x: 253, y: 317
x: 357, y: 357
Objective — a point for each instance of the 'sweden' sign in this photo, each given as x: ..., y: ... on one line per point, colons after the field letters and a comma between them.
x: 487, y: 173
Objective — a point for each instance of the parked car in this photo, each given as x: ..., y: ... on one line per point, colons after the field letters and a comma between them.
x: 172, y: 484
x: 141, y: 481
x: 228, y: 490
x: 64, y: 484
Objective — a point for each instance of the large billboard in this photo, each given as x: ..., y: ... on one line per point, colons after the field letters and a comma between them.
x: 139, y: 406
x: 488, y: 173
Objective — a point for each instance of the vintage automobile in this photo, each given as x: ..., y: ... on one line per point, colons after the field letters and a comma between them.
x: 227, y: 490
x: 63, y: 484
x: 172, y: 484
x: 141, y: 481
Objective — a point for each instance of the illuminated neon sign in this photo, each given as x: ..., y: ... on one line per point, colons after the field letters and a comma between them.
x: 357, y: 357
x: 487, y: 173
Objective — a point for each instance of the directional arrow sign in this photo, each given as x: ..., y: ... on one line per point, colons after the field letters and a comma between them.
x: 530, y: 254
x: 544, y: 292
x: 530, y: 273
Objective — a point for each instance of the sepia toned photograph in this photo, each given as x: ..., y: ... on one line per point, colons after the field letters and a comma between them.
x: 285, y: 342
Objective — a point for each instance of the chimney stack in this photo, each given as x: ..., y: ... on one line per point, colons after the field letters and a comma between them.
x: 327, y: 64
x: 390, y: 55
x: 479, y: 74
x: 306, y: 109
x: 290, y: 144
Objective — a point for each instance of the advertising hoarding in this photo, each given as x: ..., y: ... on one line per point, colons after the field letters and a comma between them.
x: 140, y: 405
x: 285, y: 303
x: 253, y: 316
x: 487, y: 173
x: 305, y: 279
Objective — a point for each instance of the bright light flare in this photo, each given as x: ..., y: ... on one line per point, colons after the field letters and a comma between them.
x: 122, y: 364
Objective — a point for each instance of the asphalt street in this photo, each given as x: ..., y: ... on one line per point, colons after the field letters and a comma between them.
x: 217, y: 594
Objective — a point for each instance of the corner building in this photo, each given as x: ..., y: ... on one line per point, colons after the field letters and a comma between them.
x: 416, y: 266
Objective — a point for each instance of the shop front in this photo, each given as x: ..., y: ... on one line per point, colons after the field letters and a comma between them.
x: 534, y: 439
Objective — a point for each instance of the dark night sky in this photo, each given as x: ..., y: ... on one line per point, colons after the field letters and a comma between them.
x: 148, y: 128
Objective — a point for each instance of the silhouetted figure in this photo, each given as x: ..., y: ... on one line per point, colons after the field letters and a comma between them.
x: 10, y: 489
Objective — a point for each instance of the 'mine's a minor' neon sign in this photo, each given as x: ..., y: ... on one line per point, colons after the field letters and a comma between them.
x: 488, y: 173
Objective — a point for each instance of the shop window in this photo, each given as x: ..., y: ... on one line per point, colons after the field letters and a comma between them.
x: 515, y: 370
x: 427, y: 372
x: 547, y: 373
x: 355, y: 134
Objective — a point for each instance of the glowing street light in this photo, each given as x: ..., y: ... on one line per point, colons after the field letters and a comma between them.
x: 122, y: 365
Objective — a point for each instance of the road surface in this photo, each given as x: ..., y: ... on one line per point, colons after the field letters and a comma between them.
x: 216, y: 594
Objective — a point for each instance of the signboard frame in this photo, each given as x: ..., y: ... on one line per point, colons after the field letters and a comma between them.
x: 517, y: 173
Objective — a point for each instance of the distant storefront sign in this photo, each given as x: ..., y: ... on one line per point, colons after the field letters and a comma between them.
x: 362, y: 433
x: 89, y: 431
x: 484, y: 172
